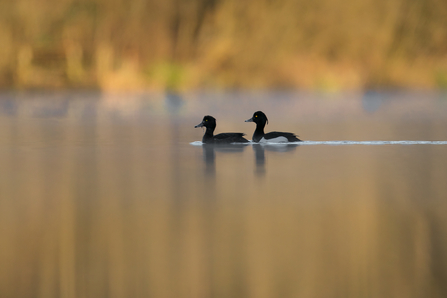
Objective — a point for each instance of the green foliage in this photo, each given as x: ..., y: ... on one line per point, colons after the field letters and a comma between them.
x: 441, y: 78
x: 169, y: 75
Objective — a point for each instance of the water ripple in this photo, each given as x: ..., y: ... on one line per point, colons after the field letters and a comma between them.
x: 373, y: 143
x: 337, y: 143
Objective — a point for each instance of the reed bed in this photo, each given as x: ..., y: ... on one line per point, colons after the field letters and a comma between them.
x: 182, y: 45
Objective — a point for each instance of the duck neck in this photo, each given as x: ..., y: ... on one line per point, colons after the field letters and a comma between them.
x: 259, y: 132
x: 208, y: 136
x: 209, y: 131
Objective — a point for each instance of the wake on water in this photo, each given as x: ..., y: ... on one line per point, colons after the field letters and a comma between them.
x: 337, y: 143
x: 374, y: 143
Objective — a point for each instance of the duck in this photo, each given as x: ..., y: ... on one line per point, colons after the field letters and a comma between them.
x: 271, y: 137
x: 209, y: 122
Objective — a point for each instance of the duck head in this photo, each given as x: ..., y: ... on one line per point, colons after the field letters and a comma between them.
x: 208, y: 122
x: 258, y: 118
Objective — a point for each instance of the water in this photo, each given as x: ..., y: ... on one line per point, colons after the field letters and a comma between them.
x: 113, y: 196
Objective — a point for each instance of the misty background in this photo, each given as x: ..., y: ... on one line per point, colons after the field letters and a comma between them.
x: 223, y: 44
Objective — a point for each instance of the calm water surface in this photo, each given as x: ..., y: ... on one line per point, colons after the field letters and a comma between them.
x: 105, y: 196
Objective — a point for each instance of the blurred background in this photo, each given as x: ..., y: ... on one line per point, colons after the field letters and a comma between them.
x: 104, y: 192
x: 183, y: 45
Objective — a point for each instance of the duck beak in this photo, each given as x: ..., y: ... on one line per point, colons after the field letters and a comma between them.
x: 199, y: 125
x: 249, y: 120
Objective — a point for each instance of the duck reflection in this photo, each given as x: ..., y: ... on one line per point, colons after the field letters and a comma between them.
x: 259, y: 150
x: 209, y: 154
x: 260, y: 159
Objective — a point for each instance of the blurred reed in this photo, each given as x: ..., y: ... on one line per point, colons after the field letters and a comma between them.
x: 175, y: 44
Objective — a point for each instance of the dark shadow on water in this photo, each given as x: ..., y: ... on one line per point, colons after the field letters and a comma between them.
x: 260, y: 149
x: 260, y: 159
x: 209, y: 155
x: 211, y: 194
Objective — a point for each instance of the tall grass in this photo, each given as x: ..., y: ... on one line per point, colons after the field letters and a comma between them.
x: 173, y: 44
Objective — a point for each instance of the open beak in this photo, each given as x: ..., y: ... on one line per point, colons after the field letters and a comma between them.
x: 199, y: 125
x: 249, y: 120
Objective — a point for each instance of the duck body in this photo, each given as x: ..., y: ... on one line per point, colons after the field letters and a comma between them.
x: 209, y: 122
x: 275, y: 137
x: 271, y: 137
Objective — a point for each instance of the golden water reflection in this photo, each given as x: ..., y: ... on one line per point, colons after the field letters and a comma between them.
x: 96, y: 209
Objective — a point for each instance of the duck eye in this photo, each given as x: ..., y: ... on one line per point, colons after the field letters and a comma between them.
x: 256, y: 115
x: 206, y: 119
